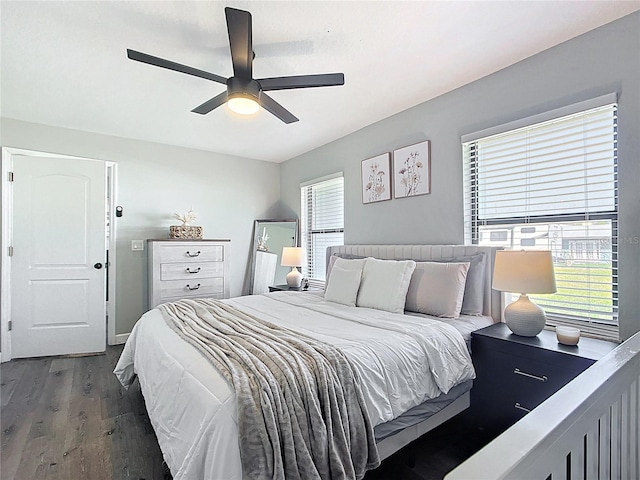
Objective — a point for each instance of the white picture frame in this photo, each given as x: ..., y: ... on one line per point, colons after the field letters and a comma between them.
x: 376, y: 178
x: 412, y: 170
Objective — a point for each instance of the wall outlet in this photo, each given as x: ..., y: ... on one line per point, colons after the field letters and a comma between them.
x: 137, y: 245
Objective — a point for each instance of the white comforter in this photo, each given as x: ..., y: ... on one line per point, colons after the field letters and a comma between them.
x: 402, y: 360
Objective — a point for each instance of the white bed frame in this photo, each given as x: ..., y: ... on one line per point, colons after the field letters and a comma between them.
x: 588, y: 429
x: 492, y: 308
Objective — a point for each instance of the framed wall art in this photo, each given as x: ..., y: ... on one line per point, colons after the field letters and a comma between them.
x: 376, y: 179
x: 412, y: 170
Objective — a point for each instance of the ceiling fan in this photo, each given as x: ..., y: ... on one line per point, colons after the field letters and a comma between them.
x: 244, y: 94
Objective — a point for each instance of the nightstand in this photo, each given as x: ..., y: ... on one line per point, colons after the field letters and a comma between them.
x: 287, y: 288
x: 283, y: 288
x: 515, y: 374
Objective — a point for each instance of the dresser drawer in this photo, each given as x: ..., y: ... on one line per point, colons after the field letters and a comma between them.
x: 190, y: 252
x: 176, y: 289
x: 191, y: 270
x: 496, y: 408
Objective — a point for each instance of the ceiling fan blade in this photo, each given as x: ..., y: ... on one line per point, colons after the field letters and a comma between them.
x: 209, y: 105
x: 161, y: 62
x: 273, y: 107
x: 240, y: 41
x: 302, y: 81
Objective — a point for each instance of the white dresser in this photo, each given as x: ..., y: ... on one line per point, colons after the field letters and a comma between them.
x: 187, y: 269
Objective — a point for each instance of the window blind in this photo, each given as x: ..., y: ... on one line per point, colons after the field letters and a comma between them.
x: 322, y: 224
x: 553, y: 186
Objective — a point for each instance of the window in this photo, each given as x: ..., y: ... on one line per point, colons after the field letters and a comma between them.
x: 322, y: 223
x: 552, y: 185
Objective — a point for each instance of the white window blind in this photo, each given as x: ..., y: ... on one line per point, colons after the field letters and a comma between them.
x: 553, y: 186
x: 322, y: 224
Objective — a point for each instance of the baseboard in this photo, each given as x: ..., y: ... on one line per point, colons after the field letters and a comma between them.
x: 121, y: 338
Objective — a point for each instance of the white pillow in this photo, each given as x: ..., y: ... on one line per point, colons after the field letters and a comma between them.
x: 343, y: 286
x: 437, y: 289
x: 332, y: 260
x: 350, y: 263
x: 384, y: 284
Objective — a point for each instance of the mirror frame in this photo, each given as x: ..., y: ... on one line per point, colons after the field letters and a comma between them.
x: 254, y: 243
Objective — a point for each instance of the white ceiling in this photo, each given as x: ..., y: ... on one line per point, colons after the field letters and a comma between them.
x: 64, y: 63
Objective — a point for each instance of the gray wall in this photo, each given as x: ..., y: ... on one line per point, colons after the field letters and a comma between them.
x: 602, y: 61
x: 154, y: 181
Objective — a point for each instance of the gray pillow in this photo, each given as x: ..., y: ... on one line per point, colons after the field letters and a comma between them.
x: 473, y: 300
x: 437, y: 289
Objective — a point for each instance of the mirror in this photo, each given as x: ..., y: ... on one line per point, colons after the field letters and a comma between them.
x: 269, y: 236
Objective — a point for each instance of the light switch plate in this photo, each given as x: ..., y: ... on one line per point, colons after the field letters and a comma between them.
x: 137, y: 245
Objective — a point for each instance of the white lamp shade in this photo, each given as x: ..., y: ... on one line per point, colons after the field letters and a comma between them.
x: 524, y: 271
x: 292, y: 257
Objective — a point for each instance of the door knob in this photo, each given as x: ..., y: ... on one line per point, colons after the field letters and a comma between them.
x: 97, y: 266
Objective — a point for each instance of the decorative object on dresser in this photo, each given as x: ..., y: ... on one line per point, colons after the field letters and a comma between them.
x: 515, y: 374
x: 187, y: 269
x: 376, y: 179
x: 412, y: 170
x: 262, y: 241
x: 524, y: 272
x: 185, y: 230
x: 293, y: 257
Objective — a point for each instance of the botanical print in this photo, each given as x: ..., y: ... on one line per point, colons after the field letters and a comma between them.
x: 411, y: 170
x: 376, y: 181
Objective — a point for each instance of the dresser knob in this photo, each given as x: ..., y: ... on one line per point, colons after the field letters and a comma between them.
x: 193, y: 271
x: 189, y: 254
x: 193, y: 288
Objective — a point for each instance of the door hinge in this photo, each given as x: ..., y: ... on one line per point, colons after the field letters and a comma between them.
x: 10, y: 251
x: 10, y: 325
x: 11, y: 176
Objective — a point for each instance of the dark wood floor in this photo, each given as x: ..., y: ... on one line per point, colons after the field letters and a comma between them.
x: 68, y: 418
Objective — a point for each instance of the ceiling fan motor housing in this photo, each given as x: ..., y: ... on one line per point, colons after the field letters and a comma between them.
x: 242, y: 87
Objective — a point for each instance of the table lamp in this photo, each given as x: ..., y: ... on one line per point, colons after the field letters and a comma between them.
x: 524, y: 272
x: 293, y: 257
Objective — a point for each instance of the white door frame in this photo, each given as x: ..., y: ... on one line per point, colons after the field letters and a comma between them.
x: 6, y: 166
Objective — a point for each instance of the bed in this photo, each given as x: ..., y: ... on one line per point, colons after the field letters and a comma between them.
x: 193, y: 408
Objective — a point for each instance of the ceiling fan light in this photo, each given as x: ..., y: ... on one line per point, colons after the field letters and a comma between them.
x: 243, y: 105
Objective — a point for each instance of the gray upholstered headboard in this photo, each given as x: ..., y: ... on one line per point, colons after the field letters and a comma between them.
x: 423, y: 253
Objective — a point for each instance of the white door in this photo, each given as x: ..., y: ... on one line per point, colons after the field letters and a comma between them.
x: 58, y: 265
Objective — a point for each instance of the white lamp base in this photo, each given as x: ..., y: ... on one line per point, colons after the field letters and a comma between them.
x: 525, y: 318
x: 294, y: 278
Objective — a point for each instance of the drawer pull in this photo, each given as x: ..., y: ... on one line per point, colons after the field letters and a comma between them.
x: 189, y: 254
x: 193, y: 271
x: 543, y: 378
x: 520, y: 407
x: 193, y: 288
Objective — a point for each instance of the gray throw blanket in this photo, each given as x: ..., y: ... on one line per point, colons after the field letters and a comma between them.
x: 301, y: 410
